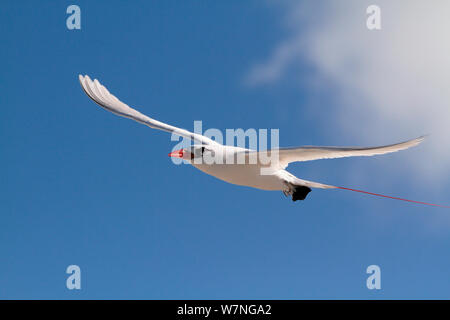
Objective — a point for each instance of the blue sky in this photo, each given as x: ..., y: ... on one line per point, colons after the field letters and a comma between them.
x: 82, y: 186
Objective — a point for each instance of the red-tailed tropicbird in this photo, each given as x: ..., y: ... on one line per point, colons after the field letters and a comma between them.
x: 250, y: 174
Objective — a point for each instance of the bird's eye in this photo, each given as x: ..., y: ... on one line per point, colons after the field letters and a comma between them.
x: 197, y: 152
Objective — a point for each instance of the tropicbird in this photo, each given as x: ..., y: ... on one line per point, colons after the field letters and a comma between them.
x: 249, y: 174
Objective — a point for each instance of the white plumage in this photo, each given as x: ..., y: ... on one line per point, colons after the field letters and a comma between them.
x: 275, y: 176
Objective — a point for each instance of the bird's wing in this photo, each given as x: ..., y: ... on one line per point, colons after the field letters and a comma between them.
x: 308, y: 153
x: 106, y: 100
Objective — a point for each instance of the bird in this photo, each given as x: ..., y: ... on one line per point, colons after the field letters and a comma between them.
x: 257, y: 173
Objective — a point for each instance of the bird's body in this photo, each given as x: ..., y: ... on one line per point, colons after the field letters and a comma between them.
x: 237, y: 165
x: 248, y: 175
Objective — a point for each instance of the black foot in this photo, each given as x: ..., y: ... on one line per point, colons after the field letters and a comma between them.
x: 300, y: 193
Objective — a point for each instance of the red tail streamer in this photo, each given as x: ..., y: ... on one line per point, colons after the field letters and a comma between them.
x: 395, y: 198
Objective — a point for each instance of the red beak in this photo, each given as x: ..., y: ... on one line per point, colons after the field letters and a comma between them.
x: 176, y: 154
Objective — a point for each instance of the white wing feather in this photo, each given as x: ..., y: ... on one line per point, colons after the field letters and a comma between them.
x: 308, y: 153
x: 106, y: 100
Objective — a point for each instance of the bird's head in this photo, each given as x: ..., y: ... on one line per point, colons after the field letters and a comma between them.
x: 188, y: 153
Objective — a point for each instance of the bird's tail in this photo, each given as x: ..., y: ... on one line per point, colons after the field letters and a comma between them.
x: 326, y: 186
x: 395, y: 198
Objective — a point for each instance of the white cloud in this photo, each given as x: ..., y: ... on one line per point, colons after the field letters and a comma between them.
x: 392, y: 83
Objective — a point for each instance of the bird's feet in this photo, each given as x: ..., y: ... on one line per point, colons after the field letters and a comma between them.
x: 297, y: 192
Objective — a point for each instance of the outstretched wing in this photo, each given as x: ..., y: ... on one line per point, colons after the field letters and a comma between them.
x: 308, y: 153
x: 106, y: 100
x: 288, y: 155
x: 283, y: 156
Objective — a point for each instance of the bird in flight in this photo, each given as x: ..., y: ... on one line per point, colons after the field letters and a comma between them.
x: 257, y: 174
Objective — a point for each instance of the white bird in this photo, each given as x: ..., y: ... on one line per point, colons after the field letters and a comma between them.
x: 256, y: 174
